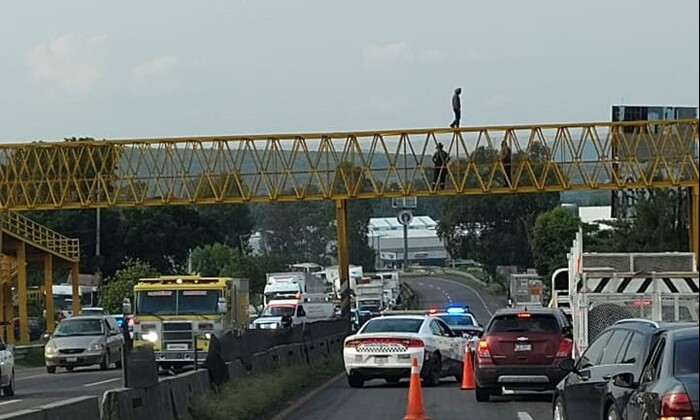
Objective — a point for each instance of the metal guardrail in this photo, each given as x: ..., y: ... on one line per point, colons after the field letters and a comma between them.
x: 20, y: 352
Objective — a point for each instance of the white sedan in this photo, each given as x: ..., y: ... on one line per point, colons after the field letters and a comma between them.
x: 384, y: 347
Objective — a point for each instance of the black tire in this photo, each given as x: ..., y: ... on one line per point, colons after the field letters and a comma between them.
x: 9, y: 390
x: 482, y: 394
x: 104, y: 364
x: 497, y: 391
x: 70, y: 368
x: 118, y: 364
x: 433, y: 376
x: 558, y: 412
x: 612, y: 413
x: 355, y: 380
x: 50, y: 369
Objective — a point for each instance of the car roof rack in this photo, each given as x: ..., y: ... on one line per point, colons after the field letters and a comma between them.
x: 638, y: 321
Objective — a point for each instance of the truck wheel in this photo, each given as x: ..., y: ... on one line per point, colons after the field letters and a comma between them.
x: 104, y: 364
x: 50, y: 369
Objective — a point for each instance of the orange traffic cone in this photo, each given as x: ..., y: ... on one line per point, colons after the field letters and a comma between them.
x: 468, y: 370
x: 415, y: 410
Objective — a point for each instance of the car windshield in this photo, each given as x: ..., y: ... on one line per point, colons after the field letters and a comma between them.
x: 76, y: 326
x: 686, y: 357
x: 278, y: 310
x: 182, y: 302
x: 457, y: 320
x: 524, y: 323
x: 381, y: 325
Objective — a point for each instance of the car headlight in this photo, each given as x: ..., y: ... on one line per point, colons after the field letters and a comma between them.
x: 95, y: 347
x: 150, y: 336
x: 50, y: 349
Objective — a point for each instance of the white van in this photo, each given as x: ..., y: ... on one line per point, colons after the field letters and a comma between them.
x: 300, y: 311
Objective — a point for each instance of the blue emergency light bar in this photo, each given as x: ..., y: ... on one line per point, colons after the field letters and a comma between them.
x: 458, y: 310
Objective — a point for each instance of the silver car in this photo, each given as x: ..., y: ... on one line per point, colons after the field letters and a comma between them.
x: 84, y: 341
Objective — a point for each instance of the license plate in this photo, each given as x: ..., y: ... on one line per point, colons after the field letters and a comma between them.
x: 177, y: 346
x: 381, y: 360
x: 71, y: 359
x: 523, y: 347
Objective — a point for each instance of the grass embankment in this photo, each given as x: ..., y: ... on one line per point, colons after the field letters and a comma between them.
x: 407, y: 297
x: 30, y: 358
x: 262, y: 396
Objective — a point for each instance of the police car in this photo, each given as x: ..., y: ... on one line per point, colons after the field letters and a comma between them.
x: 384, y: 347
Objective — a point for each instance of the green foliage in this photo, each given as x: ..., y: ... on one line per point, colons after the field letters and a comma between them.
x: 256, y: 397
x: 552, y: 236
x: 222, y: 260
x: 660, y: 225
x: 122, y: 284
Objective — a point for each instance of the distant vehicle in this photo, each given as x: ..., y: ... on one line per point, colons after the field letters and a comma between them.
x: 84, y: 341
x: 7, y: 370
x: 63, y: 297
x: 668, y: 386
x: 385, y: 346
x: 36, y: 329
x: 281, y: 313
x: 587, y: 391
x: 461, y: 321
x: 522, y: 349
x: 93, y: 311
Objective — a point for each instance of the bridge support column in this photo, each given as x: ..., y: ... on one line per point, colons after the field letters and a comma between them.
x: 693, y: 222
x: 22, y: 294
x: 8, y: 314
x: 74, y: 286
x: 48, y: 292
x: 341, y: 215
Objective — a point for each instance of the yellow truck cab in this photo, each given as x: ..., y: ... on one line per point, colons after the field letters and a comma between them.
x: 176, y: 314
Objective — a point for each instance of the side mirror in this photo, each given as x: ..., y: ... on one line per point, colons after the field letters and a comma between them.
x: 126, y: 306
x: 567, y: 365
x: 624, y: 380
x: 221, y: 306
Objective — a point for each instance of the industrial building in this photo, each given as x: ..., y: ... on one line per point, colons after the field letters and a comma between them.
x: 424, y: 246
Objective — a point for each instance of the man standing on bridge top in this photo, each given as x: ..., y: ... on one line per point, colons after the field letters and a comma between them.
x: 440, y: 159
x: 456, y: 107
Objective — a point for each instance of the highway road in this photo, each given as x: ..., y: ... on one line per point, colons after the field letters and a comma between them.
x: 381, y: 401
x: 34, y: 387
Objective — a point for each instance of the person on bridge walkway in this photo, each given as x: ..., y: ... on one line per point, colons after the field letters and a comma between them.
x: 456, y: 107
x: 505, y: 156
x: 440, y: 159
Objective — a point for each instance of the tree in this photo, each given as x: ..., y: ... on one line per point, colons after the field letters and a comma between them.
x: 552, y: 236
x: 494, y: 229
x: 122, y: 284
x: 214, y: 259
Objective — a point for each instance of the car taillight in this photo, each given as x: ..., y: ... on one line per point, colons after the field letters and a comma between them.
x: 353, y: 343
x: 674, y: 406
x: 482, y: 350
x: 565, y: 347
x: 414, y: 343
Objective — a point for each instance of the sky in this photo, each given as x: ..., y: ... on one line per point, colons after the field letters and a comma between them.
x: 134, y: 69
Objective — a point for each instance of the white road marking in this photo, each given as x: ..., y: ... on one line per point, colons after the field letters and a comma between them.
x: 102, y: 382
x: 9, y: 402
x: 483, y: 303
x: 522, y: 415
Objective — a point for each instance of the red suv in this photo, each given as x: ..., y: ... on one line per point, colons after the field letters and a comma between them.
x: 522, y: 348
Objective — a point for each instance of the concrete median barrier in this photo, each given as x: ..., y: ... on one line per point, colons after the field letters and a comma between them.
x: 87, y: 408
x: 236, y: 370
x: 31, y: 414
x: 185, y: 389
x: 154, y: 403
x: 261, y: 363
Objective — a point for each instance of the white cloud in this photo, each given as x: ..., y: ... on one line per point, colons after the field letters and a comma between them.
x: 384, y: 55
x: 69, y: 63
x: 154, y: 69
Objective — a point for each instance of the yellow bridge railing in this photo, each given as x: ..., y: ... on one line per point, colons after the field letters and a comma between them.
x: 368, y: 164
x: 39, y: 236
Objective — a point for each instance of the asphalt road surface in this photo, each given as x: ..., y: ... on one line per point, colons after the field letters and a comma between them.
x: 381, y: 401
x: 34, y: 387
